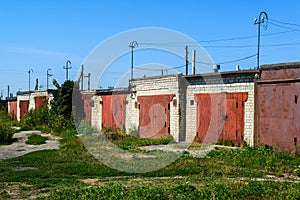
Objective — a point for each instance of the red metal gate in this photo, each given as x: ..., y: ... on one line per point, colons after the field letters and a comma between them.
x: 154, y: 116
x: 278, y: 115
x: 87, y: 105
x: 113, y: 110
x: 13, y: 110
x: 220, y: 116
x: 24, y: 106
x: 40, y: 102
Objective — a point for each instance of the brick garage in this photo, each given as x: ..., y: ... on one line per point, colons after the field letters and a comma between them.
x: 155, y: 88
x: 31, y: 100
x: 235, y: 82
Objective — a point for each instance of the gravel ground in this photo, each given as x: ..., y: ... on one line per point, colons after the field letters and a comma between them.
x: 20, y: 148
x: 181, y: 147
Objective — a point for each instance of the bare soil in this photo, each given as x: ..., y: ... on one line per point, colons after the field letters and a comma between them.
x: 20, y: 148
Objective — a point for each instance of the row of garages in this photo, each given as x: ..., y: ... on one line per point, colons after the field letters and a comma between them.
x: 256, y: 106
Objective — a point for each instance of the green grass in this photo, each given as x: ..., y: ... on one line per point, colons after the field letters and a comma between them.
x: 131, y: 143
x: 222, y: 174
x: 36, y: 139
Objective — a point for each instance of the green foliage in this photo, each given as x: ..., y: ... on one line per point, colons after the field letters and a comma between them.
x: 85, y: 128
x: 222, y: 174
x: 67, y: 98
x: 58, y: 124
x: 134, y: 131
x: 131, y: 143
x: 36, y: 139
x: 297, y: 171
x: 38, y: 117
x: 43, y: 120
x: 4, y: 117
x: 229, y: 190
x: 6, y: 132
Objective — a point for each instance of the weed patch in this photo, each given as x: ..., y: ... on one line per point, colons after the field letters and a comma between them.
x: 36, y: 139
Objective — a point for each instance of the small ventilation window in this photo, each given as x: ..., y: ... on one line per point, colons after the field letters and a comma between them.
x: 296, y: 99
x: 192, y: 102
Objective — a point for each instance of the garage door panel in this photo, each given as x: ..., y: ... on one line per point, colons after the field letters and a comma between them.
x: 154, y: 116
x: 220, y: 116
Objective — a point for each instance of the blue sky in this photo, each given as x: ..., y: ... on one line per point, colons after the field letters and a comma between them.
x: 44, y: 34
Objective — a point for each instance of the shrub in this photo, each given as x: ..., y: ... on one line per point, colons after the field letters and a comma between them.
x: 35, y: 139
x: 6, y: 133
x: 38, y: 117
x: 85, y: 128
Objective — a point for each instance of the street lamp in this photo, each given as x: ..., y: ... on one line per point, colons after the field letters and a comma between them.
x: 48, y: 75
x: 29, y: 72
x: 261, y: 20
x: 67, y: 67
x: 132, y: 45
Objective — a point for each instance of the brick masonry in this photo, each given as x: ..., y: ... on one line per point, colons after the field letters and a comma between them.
x: 158, y: 85
x: 183, y: 107
x: 234, y: 82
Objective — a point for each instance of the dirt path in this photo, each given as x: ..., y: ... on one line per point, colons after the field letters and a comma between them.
x: 20, y: 148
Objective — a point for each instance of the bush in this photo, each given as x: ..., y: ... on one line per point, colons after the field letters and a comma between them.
x: 6, y: 133
x: 38, y: 117
x: 85, y: 128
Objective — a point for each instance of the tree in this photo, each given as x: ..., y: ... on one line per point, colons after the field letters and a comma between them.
x: 67, y: 98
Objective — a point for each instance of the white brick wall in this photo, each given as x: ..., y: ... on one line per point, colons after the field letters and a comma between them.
x: 217, y: 88
x: 155, y: 86
x: 183, y: 114
x: 96, y: 118
x: 30, y: 97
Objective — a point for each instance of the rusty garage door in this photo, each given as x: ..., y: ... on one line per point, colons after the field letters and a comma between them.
x: 13, y: 110
x: 278, y: 107
x: 87, y: 105
x: 220, y: 116
x: 113, y: 110
x: 24, y: 106
x: 154, y: 116
x: 40, y: 102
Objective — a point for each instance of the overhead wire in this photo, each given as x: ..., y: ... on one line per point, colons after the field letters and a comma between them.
x: 286, y: 23
x: 285, y: 27
x: 231, y: 61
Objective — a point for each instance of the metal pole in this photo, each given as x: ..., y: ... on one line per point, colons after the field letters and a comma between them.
x: 262, y: 17
x: 8, y: 91
x: 48, y: 75
x: 186, y: 60
x: 132, y: 45
x: 81, y: 76
x: 67, y: 67
x: 194, y: 61
x: 89, y: 81
x: 29, y: 71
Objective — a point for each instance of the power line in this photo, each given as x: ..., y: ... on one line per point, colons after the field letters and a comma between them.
x: 231, y: 61
x: 214, y: 40
x: 281, y: 26
x: 286, y: 23
x: 149, y: 69
x: 249, y: 46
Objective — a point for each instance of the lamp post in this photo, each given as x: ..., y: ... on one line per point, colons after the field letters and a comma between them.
x: 132, y: 45
x: 48, y: 75
x: 67, y: 67
x: 261, y: 20
x: 29, y: 72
